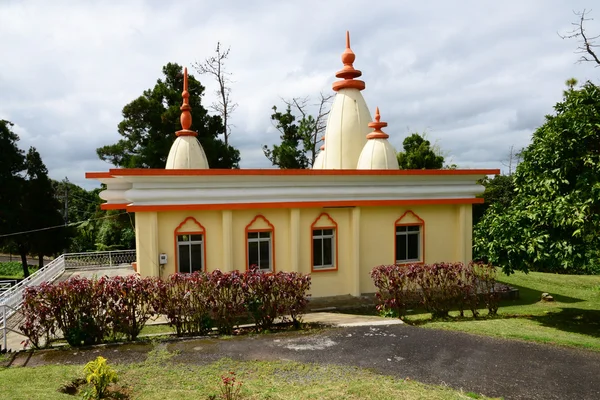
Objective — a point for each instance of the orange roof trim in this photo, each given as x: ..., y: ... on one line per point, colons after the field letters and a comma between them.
x: 283, y: 172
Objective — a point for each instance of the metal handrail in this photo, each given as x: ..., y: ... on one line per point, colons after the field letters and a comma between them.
x: 99, y: 259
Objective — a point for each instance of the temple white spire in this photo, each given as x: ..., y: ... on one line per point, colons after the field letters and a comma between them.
x: 186, y: 152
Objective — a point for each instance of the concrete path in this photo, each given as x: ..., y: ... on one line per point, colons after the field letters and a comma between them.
x: 494, y: 367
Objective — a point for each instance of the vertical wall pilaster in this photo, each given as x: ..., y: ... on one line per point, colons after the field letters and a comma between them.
x: 294, y: 240
x: 355, y: 254
x: 227, y: 240
x: 465, y: 228
x: 146, y: 243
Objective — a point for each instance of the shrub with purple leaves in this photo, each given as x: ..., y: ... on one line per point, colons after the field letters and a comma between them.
x: 226, y: 300
x: 131, y: 303
x: 39, y: 324
x: 76, y: 307
x: 396, y: 287
x: 185, y: 299
x: 437, y: 287
x: 263, y: 292
x: 485, y: 275
x: 294, y: 294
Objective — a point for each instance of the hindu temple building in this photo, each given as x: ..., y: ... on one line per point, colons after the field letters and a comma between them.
x: 354, y: 210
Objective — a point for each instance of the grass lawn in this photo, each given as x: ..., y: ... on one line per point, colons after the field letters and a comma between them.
x: 14, y: 270
x: 573, y: 319
x: 158, y: 378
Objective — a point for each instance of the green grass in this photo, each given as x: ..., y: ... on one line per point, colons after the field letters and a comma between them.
x: 159, y: 378
x: 14, y: 270
x: 573, y: 319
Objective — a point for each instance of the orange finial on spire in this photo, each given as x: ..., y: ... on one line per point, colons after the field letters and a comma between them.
x: 348, y: 72
x: 377, y: 125
x: 323, y: 145
x: 186, y: 116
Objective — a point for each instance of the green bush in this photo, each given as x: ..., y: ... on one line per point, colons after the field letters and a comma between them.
x: 14, y: 269
x: 100, y: 375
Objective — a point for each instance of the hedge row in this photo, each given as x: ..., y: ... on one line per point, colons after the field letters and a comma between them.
x: 436, y: 287
x: 89, y: 312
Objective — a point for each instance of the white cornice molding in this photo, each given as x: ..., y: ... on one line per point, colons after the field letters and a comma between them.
x: 174, y: 190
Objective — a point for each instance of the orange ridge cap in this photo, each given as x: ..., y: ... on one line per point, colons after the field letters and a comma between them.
x: 377, y: 125
x: 186, y: 115
x: 348, y: 72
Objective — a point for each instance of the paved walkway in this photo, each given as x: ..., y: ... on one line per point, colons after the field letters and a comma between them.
x: 494, y: 367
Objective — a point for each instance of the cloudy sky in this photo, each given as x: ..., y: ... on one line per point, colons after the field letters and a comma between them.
x: 477, y: 76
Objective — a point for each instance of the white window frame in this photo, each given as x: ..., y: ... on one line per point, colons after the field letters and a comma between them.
x: 324, y: 237
x: 406, y: 234
x: 189, y: 244
x: 258, y: 240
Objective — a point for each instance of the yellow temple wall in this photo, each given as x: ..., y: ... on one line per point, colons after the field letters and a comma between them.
x: 365, y: 238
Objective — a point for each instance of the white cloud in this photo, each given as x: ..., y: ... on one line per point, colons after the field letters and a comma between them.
x: 478, y: 76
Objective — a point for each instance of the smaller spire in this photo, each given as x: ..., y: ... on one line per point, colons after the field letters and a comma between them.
x: 348, y: 72
x: 377, y: 125
x: 186, y: 115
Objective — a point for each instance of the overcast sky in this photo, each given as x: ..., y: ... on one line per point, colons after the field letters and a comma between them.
x: 477, y: 76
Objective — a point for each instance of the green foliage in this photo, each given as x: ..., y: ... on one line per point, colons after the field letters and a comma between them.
x: 100, y: 375
x: 292, y: 152
x: 419, y: 154
x: 115, y: 232
x: 82, y: 205
x: 553, y: 222
x: 498, y: 190
x: 14, y: 269
x: 27, y: 202
x: 151, y: 120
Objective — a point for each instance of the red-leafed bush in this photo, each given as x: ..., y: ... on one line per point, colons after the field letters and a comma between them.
x: 76, y: 307
x: 294, y: 294
x: 271, y: 295
x: 131, y: 303
x: 226, y: 299
x: 440, y: 286
x: 39, y: 323
x: 485, y: 275
x: 263, y: 292
x: 437, y: 287
x: 396, y: 287
x: 89, y: 311
x: 185, y: 299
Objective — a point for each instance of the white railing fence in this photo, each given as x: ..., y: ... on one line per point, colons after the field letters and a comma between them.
x: 99, y: 259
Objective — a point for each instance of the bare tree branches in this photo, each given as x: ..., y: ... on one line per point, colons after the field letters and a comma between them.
x: 587, y: 43
x: 514, y: 158
x: 224, y: 106
x: 313, y: 127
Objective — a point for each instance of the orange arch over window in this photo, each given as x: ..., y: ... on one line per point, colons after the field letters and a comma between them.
x: 409, y: 218
x: 324, y: 221
x: 190, y: 226
x: 270, y: 228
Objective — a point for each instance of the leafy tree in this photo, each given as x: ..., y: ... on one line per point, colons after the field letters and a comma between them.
x: 289, y: 154
x: 12, y: 164
x: 299, y: 134
x: 82, y: 205
x: 498, y: 190
x: 151, y: 120
x: 553, y: 221
x: 419, y: 154
x: 40, y: 209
